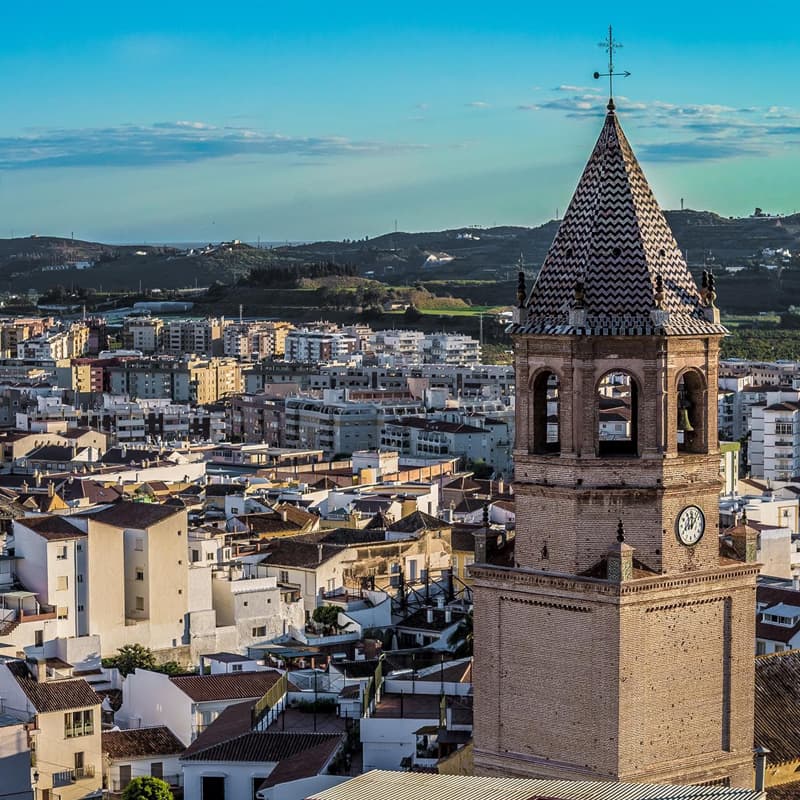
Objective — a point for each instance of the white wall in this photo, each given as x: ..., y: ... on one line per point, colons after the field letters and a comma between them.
x: 149, y: 699
x: 388, y: 741
x: 238, y: 777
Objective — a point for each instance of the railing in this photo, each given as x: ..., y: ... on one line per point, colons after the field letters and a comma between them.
x: 68, y: 776
x: 117, y: 785
x: 271, y: 699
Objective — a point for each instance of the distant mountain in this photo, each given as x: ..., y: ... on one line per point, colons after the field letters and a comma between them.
x: 461, y: 253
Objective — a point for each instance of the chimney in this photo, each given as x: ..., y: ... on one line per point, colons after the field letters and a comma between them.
x: 796, y: 581
x: 284, y: 515
x: 41, y: 670
x: 761, y: 767
x: 448, y: 615
x: 429, y: 614
x: 440, y: 602
x: 619, y: 559
x: 51, y: 489
x: 319, y: 553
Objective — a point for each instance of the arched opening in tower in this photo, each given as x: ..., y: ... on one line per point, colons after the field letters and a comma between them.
x: 546, y: 414
x: 617, y: 415
x: 691, y: 424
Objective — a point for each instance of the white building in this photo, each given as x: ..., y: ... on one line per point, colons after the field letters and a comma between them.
x: 774, y: 448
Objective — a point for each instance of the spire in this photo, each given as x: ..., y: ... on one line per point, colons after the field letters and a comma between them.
x: 615, y: 241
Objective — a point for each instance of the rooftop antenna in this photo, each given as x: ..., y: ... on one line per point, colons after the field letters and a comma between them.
x: 610, y: 46
x: 241, y: 309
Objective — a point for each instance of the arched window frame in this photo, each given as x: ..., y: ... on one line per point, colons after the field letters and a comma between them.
x: 627, y: 448
x: 696, y: 397
x: 538, y: 417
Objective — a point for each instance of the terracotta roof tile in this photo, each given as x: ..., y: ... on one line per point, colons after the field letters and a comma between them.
x: 53, y: 695
x: 134, y: 515
x: 52, y: 528
x: 141, y: 742
x: 777, y: 706
x: 234, y: 686
x: 259, y: 746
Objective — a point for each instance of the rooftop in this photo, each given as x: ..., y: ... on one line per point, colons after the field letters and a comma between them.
x: 386, y: 785
x: 53, y: 695
x: 612, y: 250
x: 141, y: 742
x: 232, y: 686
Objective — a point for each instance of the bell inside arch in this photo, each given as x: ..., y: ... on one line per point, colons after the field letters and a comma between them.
x: 684, y: 423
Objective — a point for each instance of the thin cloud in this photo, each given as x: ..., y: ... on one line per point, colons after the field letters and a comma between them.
x: 479, y: 104
x: 172, y: 143
x: 697, y: 150
x: 686, y: 132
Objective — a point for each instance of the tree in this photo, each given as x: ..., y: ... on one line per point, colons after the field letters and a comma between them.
x: 133, y: 656
x: 147, y: 788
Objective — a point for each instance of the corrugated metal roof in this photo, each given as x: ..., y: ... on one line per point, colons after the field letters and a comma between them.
x: 385, y: 785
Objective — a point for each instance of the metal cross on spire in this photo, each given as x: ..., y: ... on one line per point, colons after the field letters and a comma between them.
x: 610, y: 46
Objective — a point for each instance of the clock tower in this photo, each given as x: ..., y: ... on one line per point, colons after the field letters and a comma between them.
x: 620, y: 646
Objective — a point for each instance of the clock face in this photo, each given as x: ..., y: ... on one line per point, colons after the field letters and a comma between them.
x: 690, y: 525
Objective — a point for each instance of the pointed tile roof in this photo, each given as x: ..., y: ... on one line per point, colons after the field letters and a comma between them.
x: 611, y: 249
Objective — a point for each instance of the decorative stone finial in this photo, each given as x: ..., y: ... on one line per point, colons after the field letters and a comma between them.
x: 620, y: 532
x: 486, y: 516
x: 659, y: 296
x: 619, y: 559
x: 579, y: 294
x: 521, y: 293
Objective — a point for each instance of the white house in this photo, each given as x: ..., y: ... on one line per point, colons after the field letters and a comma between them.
x: 141, y: 752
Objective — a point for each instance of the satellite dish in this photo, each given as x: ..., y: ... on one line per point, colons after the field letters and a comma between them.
x: 596, y: 75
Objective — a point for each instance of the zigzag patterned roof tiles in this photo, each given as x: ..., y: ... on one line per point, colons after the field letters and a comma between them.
x: 615, y: 242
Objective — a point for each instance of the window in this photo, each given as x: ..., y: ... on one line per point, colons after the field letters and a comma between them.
x: 545, y: 409
x: 124, y: 775
x: 139, y: 574
x: 138, y: 544
x: 283, y: 576
x: 80, y: 608
x: 261, y: 630
x: 195, y: 556
x: 210, y: 557
x: 236, y: 668
x: 62, y: 583
x: 80, y: 578
x: 157, y: 769
x: 78, y: 723
x: 617, y: 415
x: 61, y: 552
x: 62, y: 612
x: 38, y: 638
x: 140, y: 603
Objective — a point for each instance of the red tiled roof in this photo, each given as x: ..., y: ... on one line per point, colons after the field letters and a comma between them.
x: 52, y: 528
x: 134, y: 515
x: 54, y: 695
x: 261, y: 747
x: 233, y: 686
x: 311, y: 763
x: 141, y: 742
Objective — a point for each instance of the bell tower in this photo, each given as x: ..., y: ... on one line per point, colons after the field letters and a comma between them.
x: 620, y: 646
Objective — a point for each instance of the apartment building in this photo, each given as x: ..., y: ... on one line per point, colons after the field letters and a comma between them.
x: 254, y: 418
x: 185, y: 380
x: 144, y: 334
x: 773, y: 452
x: 335, y: 424
x: 450, y: 348
x: 256, y: 340
x: 306, y: 345
x: 201, y: 336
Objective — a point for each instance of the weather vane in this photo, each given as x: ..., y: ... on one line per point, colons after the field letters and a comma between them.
x: 610, y: 46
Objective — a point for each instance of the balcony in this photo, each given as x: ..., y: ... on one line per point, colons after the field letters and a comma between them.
x: 69, y: 776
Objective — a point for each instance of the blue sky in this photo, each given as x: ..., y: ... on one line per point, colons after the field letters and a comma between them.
x: 179, y: 121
